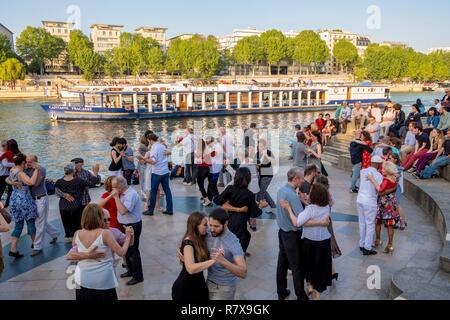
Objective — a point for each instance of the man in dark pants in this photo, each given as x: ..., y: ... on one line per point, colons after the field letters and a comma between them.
x: 129, y: 208
x: 289, y: 238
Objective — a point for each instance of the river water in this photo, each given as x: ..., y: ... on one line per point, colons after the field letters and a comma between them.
x: 57, y: 143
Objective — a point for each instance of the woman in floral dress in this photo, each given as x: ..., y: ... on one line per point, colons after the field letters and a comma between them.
x: 388, y: 213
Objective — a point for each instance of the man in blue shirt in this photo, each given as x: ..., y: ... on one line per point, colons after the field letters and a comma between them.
x: 345, y: 117
x: 289, y: 238
x: 226, y: 249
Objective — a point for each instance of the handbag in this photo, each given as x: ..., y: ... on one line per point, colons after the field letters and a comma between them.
x: 50, y: 186
x: 6, y: 216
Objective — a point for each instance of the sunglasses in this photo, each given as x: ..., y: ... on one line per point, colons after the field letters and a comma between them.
x: 107, y: 220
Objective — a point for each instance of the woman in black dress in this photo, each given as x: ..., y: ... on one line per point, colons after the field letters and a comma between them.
x: 70, y: 190
x: 190, y: 284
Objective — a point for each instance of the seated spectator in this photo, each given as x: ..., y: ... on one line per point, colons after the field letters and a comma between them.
x: 444, y: 122
x: 422, y: 147
x: 396, y: 145
x: 410, y: 141
x: 413, y: 116
x: 359, y: 116
x: 388, y: 118
x: 432, y: 120
x: 384, y: 143
x: 436, y: 143
x: 421, y: 107
x: 442, y: 160
x: 399, y: 121
x: 374, y: 129
x: 374, y: 111
x: 320, y: 122
x: 329, y: 130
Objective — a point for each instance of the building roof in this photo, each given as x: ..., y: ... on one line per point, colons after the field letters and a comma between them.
x: 181, y: 35
x: 59, y: 22
x: 6, y: 28
x: 150, y: 28
x: 106, y: 26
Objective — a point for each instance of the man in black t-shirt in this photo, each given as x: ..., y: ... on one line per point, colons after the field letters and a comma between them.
x: 422, y: 146
x: 305, y: 187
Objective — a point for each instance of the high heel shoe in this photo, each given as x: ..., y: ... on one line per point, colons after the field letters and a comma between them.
x: 377, y: 243
x: 389, y: 250
x: 16, y: 255
x: 403, y: 226
x: 335, y: 276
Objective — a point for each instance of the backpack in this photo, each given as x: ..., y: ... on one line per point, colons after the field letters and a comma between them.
x: 177, y: 171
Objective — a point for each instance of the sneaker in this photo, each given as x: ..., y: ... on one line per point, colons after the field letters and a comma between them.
x: 167, y: 213
x: 36, y: 252
x: 186, y: 184
x: 207, y: 203
x: 191, y: 184
x: 147, y: 213
x: 354, y: 190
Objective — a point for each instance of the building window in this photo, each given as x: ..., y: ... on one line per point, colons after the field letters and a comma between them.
x: 104, y: 33
x: 110, y: 33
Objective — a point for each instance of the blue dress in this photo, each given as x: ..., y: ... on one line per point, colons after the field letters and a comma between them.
x: 22, y: 205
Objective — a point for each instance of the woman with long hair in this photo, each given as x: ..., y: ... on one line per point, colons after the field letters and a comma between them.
x: 190, y: 284
x: 316, y: 247
x: 96, y: 278
x: 366, y: 155
x: 314, y: 152
x: 437, y: 140
x: 115, y: 168
x: 239, y: 196
x: 23, y: 208
x: 203, y: 163
x: 10, y: 150
x: 387, y: 211
x: 395, y: 159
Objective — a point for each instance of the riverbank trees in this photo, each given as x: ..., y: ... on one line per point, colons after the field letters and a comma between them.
x: 12, y: 70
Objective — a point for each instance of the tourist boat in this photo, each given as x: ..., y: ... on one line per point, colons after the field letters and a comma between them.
x: 182, y: 100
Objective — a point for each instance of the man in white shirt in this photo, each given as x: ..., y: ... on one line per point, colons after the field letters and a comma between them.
x: 388, y: 119
x: 374, y: 129
x: 374, y: 111
x: 359, y: 116
x: 227, y: 145
x: 188, y: 152
x: 367, y: 206
x: 160, y: 175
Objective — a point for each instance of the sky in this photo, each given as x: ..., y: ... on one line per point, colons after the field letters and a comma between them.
x: 420, y: 24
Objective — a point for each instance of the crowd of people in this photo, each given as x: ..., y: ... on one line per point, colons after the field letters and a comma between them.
x: 385, y: 144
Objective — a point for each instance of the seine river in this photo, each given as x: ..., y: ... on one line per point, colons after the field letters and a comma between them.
x: 57, y: 143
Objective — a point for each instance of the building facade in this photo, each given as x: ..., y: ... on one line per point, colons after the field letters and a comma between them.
x: 105, y: 37
x: 9, y: 34
x: 228, y: 42
x: 61, y: 30
x: 331, y: 37
x: 184, y: 36
x: 393, y: 44
x: 155, y: 33
x: 442, y: 49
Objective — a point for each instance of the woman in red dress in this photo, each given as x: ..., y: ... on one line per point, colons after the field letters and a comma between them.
x: 388, y: 213
x: 320, y: 122
x: 109, y: 204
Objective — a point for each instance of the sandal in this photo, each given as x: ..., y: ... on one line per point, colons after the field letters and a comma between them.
x: 389, y: 250
x: 377, y: 243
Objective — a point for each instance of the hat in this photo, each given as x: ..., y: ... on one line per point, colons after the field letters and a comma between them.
x: 377, y: 159
x: 77, y: 160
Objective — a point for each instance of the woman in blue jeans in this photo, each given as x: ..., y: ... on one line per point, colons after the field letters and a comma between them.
x: 22, y: 208
x: 442, y: 159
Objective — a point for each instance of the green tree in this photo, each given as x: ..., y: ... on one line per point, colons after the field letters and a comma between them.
x: 249, y: 51
x: 12, y: 70
x: 6, y: 51
x: 173, y: 56
x: 155, y: 61
x: 110, y: 67
x: 78, y: 42
x: 90, y: 63
x: 309, y: 49
x: 275, y: 47
x: 38, y: 45
x: 345, y: 54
